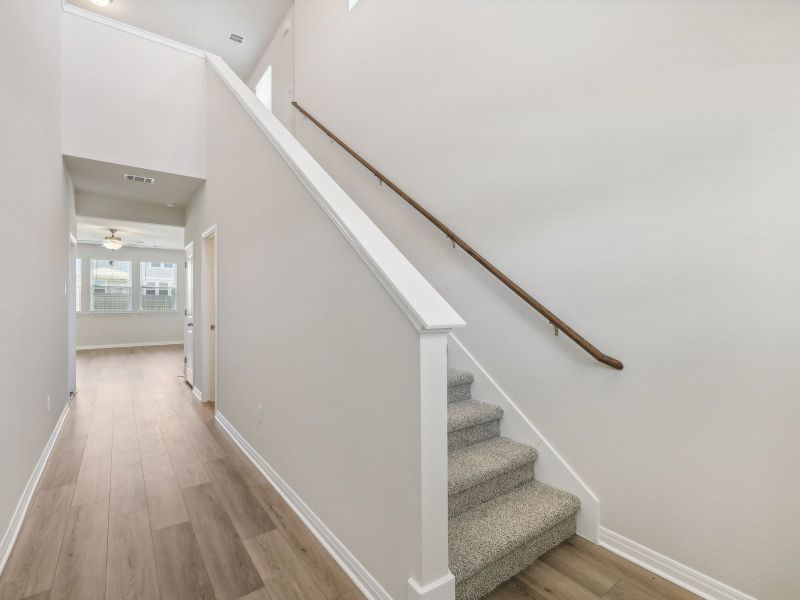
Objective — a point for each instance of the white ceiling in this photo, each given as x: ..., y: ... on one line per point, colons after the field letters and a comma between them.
x: 205, y: 24
x: 107, y: 180
x: 92, y: 230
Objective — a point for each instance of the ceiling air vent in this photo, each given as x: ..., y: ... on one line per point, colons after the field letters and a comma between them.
x: 139, y: 179
x: 236, y: 39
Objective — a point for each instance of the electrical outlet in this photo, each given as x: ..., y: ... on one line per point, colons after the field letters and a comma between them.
x: 48, y: 404
x: 260, y: 413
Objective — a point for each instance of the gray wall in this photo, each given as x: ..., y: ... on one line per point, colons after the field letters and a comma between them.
x: 280, y: 56
x: 635, y: 166
x: 137, y: 102
x: 34, y: 240
x: 306, y: 330
x: 135, y: 328
x: 89, y: 205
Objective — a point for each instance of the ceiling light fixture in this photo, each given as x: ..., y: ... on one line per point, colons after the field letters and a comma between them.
x: 102, y: 2
x: 112, y: 242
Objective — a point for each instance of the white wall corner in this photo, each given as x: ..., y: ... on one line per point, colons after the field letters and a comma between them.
x: 671, y: 570
x: 550, y: 468
x: 441, y: 589
x: 14, y: 527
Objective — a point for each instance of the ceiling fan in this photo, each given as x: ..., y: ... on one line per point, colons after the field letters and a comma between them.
x: 112, y: 242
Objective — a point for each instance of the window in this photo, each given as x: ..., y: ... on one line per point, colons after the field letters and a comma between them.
x: 110, y: 283
x: 77, y: 285
x: 159, y: 282
x: 264, y: 88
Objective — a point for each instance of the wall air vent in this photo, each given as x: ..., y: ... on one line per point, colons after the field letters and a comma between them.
x: 139, y: 179
x: 236, y: 39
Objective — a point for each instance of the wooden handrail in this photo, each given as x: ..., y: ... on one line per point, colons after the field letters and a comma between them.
x: 557, y: 323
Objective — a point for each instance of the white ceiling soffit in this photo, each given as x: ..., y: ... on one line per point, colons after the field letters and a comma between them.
x: 108, y: 180
x: 92, y: 230
x: 205, y: 24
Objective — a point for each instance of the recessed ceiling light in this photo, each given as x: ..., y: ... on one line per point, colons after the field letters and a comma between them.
x: 171, y: 204
x: 102, y: 2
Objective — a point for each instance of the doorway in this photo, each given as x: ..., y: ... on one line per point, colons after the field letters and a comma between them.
x: 208, y: 284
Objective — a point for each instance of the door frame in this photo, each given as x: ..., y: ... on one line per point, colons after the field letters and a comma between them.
x: 189, y: 301
x: 72, y: 315
x: 209, y: 262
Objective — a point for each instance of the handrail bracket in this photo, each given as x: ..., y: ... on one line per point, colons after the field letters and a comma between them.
x: 557, y: 323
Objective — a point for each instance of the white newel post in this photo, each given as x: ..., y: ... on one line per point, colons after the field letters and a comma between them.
x: 433, y: 580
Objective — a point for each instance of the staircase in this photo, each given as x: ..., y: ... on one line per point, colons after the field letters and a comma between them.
x: 501, y: 519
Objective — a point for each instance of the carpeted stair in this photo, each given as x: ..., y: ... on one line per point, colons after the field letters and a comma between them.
x: 501, y: 519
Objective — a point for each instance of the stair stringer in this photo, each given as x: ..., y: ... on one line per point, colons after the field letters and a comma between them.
x: 551, y: 468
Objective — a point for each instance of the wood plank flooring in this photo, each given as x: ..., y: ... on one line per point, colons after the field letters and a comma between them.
x: 146, y: 498
x: 581, y: 570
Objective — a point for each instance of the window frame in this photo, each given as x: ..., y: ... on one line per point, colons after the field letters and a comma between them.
x: 265, y: 85
x: 92, y: 279
x: 157, y: 288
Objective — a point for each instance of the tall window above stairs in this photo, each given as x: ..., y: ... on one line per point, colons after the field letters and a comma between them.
x: 264, y: 88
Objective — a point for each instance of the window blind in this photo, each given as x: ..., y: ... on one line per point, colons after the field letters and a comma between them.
x: 110, y: 282
x: 158, y: 285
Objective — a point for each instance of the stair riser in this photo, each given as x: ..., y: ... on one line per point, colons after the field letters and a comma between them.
x: 488, y: 578
x: 473, y: 435
x: 478, y: 494
x: 458, y: 392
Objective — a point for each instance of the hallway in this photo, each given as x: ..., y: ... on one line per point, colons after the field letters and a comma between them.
x: 145, y: 497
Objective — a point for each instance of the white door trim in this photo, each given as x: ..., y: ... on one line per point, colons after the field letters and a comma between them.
x: 189, y: 301
x: 206, y: 317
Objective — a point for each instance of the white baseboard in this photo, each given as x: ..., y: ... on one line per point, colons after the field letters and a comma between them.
x: 7, y: 543
x: 551, y: 468
x: 133, y: 345
x: 368, y: 585
x: 671, y: 570
x: 197, y: 394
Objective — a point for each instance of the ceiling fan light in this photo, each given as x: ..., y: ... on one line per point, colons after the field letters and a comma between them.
x: 112, y: 245
x: 112, y: 242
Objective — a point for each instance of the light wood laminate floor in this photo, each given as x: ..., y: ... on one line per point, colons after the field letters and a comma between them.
x: 145, y: 497
x: 581, y: 570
